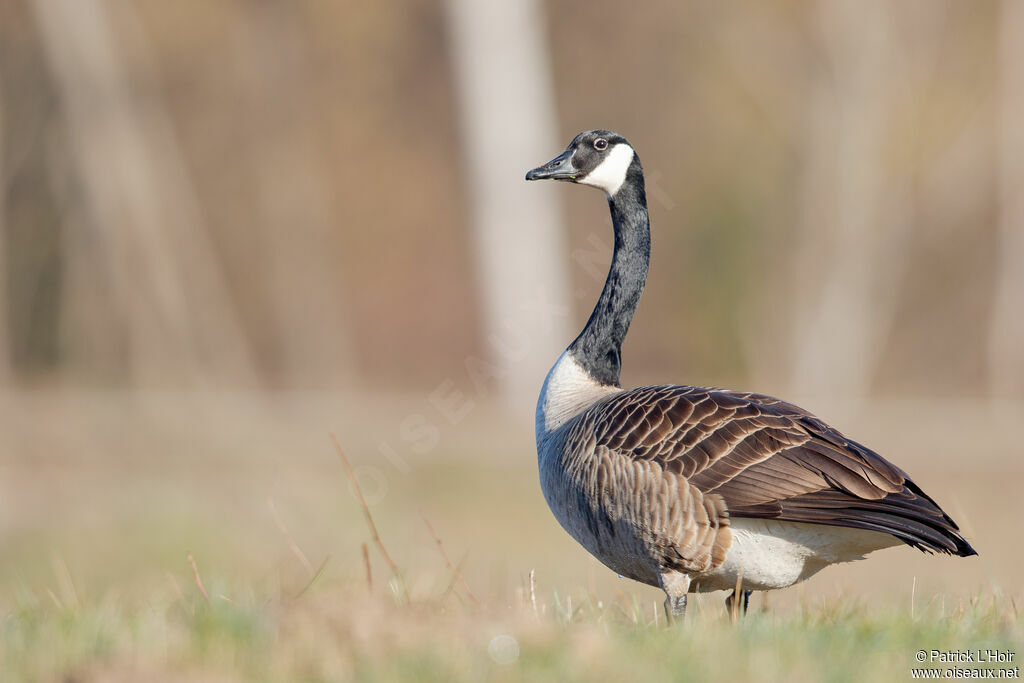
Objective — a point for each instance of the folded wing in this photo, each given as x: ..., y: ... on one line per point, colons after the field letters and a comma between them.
x: 770, y: 459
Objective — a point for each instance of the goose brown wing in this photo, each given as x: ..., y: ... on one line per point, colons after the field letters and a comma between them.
x: 770, y: 459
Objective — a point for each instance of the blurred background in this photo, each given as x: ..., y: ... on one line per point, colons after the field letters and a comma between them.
x: 228, y: 229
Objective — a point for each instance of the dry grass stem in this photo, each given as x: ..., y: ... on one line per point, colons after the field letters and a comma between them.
x: 369, y: 568
x: 292, y: 545
x: 56, y: 601
x: 451, y: 583
x: 366, y: 509
x: 64, y: 582
x: 533, y: 592
x: 199, y: 581
x: 395, y: 572
x: 737, y: 598
x: 175, y: 587
x: 454, y: 570
x: 317, y: 575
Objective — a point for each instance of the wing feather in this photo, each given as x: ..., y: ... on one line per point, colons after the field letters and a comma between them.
x: 766, y: 458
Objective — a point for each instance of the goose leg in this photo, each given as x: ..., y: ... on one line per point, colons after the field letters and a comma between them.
x: 675, y: 608
x: 675, y: 585
x: 746, y: 600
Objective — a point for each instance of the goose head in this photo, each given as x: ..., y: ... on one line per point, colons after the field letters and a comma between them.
x: 599, y: 158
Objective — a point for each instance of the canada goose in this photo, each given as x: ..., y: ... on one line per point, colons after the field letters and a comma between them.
x: 690, y: 488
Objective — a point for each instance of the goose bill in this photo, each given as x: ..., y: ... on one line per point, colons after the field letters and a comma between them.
x: 559, y: 168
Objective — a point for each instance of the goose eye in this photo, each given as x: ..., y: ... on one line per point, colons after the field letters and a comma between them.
x: 600, y: 144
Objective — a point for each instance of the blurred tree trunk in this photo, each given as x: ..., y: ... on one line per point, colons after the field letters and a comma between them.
x: 508, y: 126
x: 853, y: 215
x: 312, y: 344
x: 5, y: 340
x: 172, y: 309
x: 1006, y: 335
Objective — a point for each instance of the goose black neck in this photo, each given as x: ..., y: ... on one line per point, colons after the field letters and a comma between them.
x: 598, y: 347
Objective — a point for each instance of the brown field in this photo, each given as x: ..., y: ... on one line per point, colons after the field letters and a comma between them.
x: 105, y: 495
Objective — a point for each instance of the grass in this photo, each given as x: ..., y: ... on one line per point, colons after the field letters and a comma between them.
x: 337, y: 631
x: 100, y: 518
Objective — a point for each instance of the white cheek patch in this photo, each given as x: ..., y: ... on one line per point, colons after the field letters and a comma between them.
x: 611, y: 172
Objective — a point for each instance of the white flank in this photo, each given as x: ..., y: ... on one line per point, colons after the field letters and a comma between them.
x: 611, y: 173
x: 773, y: 554
x: 568, y: 391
